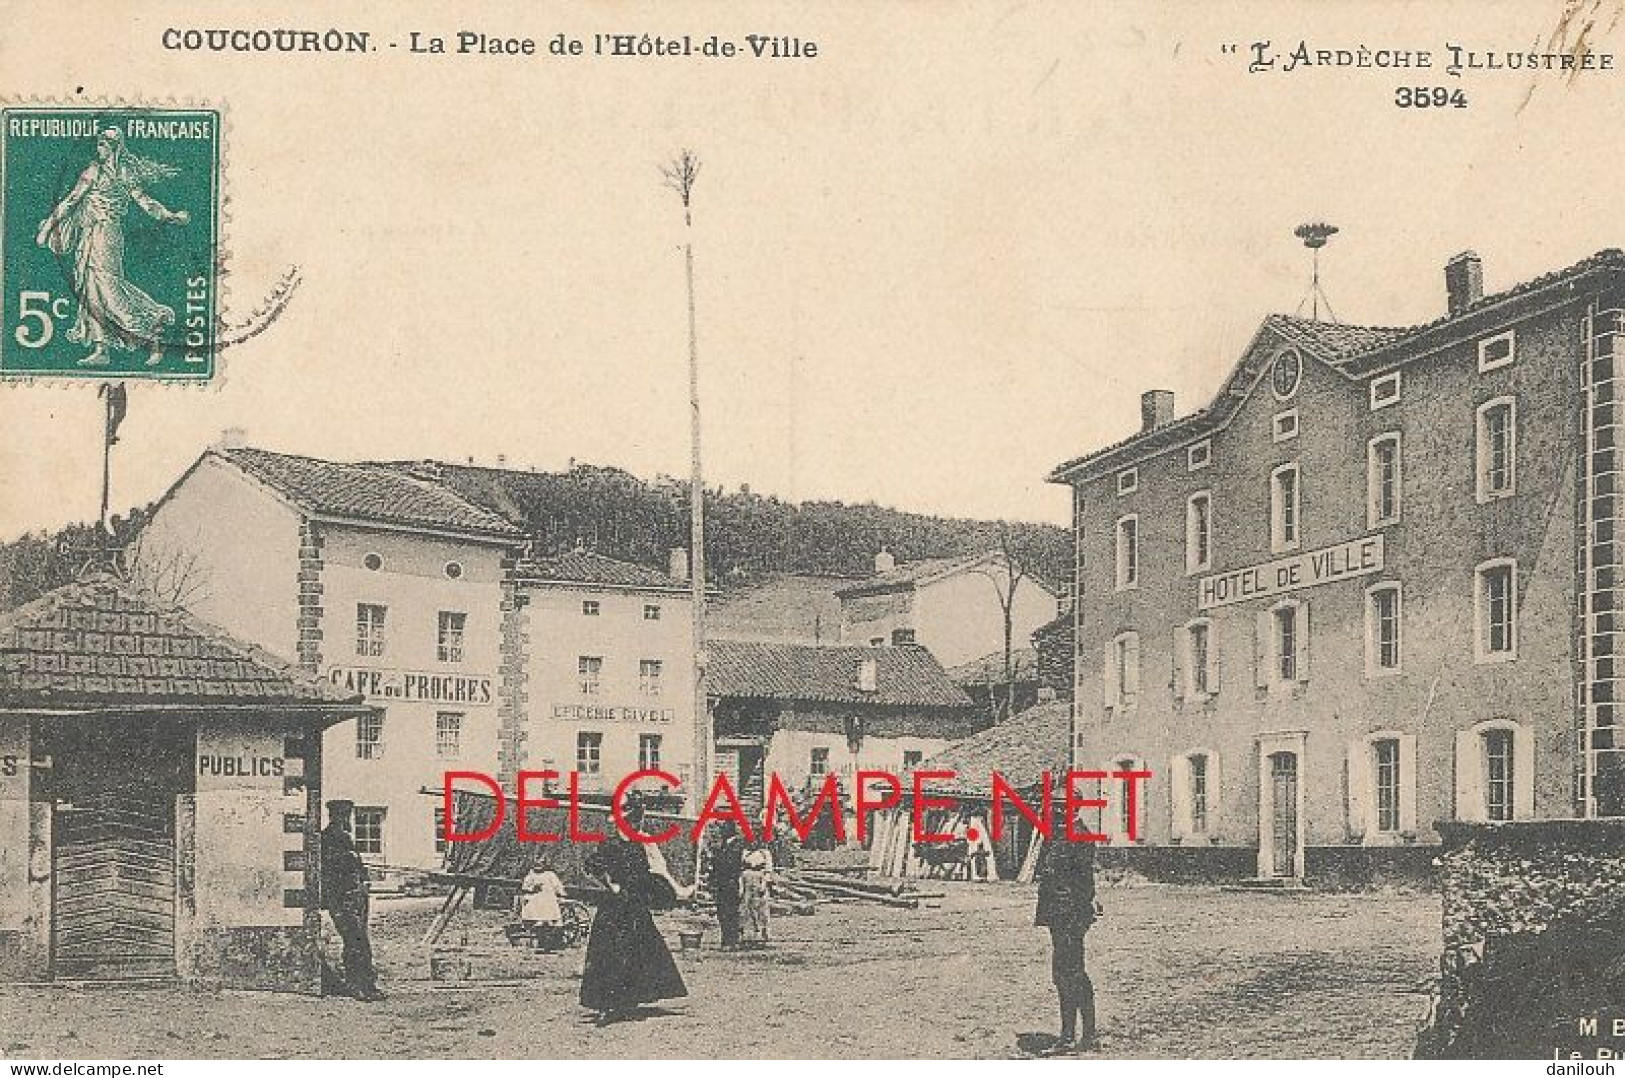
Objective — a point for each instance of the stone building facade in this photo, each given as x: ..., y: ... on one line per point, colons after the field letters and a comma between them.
x: 1371, y: 587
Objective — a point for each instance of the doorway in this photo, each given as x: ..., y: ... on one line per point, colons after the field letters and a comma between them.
x: 112, y: 785
x: 1283, y: 780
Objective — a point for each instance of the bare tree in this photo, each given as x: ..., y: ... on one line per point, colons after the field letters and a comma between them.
x: 1006, y: 574
x: 173, y: 576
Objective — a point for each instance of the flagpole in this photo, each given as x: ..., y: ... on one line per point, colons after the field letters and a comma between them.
x: 680, y: 175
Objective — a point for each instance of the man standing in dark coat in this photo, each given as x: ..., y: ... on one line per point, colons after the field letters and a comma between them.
x: 727, y: 871
x: 344, y: 896
x: 1067, y: 907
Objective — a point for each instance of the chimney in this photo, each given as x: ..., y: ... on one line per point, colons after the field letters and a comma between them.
x: 677, y: 563
x: 1463, y: 281
x: 1156, y: 409
x: 868, y: 676
x: 885, y: 562
x: 233, y: 438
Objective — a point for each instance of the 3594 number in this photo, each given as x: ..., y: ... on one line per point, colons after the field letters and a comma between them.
x: 1429, y: 97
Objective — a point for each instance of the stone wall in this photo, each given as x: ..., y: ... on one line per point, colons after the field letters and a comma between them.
x: 1533, y: 941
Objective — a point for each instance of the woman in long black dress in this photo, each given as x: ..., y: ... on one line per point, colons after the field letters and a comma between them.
x: 628, y: 963
x: 1067, y: 907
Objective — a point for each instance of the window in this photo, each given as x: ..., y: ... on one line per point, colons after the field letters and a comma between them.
x: 449, y: 648
x: 648, y: 752
x: 912, y: 758
x: 1128, y: 553
x: 1496, y: 351
x: 1284, y: 427
x: 440, y: 829
x: 1496, y: 604
x: 1120, y: 803
x: 1286, y: 643
x: 1497, y: 448
x: 454, y: 570
x: 1283, y: 643
x: 1193, y: 793
x: 369, y: 831
x: 1199, y: 532
x: 591, y: 671
x: 1122, y: 671
x: 649, y: 671
x: 1286, y: 516
x: 589, y: 752
x: 369, y: 737
x: 1382, y: 629
x: 818, y: 762
x: 1500, y: 797
x: 1385, y: 757
x: 1198, y: 669
x: 900, y: 637
x: 877, y: 641
x: 651, y: 611
x: 1197, y: 778
x: 1384, y: 391
x: 1382, y: 480
x: 589, y: 608
x: 448, y: 734
x: 1495, y: 773
x: 373, y: 561
x: 369, y: 630
x: 1199, y: 456
x: 1128, y: 481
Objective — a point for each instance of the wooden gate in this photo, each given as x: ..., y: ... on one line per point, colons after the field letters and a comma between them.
x: 113, y: 912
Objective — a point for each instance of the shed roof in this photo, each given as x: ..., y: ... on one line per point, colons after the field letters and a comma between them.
x: 989, y: 669
x: 100, y: 643
x: 905, y: 676
x: 1020, y: 749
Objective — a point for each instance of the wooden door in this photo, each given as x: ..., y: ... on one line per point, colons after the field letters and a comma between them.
x: 113, y: 907
x: 1284, y: 813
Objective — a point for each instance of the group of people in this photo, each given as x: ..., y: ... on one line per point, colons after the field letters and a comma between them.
x: 740, y: 879
x: 628, y: 964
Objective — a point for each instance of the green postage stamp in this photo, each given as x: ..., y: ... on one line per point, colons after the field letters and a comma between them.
x: 110, y: 226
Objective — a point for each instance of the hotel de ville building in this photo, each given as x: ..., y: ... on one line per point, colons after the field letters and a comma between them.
x: 1373, y: 586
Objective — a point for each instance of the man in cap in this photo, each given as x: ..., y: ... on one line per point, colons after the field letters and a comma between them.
x: 344, y: 896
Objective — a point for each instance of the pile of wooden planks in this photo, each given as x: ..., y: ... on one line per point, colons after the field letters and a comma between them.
x: 835, y: 887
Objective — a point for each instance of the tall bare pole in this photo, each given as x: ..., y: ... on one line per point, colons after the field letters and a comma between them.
x: 680, y: 176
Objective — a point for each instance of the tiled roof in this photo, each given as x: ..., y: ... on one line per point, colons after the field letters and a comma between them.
x: 1332, y: 340
x: 369, y: 492
x: 587, y: 567
x: 101, y: 643
x: 990, y: 668
x: 906, y: 676
x: 1355, y: 351
x: 1020, y: 749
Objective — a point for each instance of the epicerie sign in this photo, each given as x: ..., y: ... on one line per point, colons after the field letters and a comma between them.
x: 1344, y: 561
x: 412, y: 686
x: 598, y: 713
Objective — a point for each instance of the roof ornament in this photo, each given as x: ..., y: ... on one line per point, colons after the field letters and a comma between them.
x: 1314, y: 236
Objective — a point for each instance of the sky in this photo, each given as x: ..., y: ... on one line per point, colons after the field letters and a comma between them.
x: 932, y: 263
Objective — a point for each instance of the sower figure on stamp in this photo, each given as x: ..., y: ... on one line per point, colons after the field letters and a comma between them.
x: 727, y: 869
x: 344, y: 896
x: 87, y: 228
x: 1067, y: 907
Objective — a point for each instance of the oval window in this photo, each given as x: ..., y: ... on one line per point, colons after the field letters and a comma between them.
x: 374, y: 562
x: 454, y: 569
